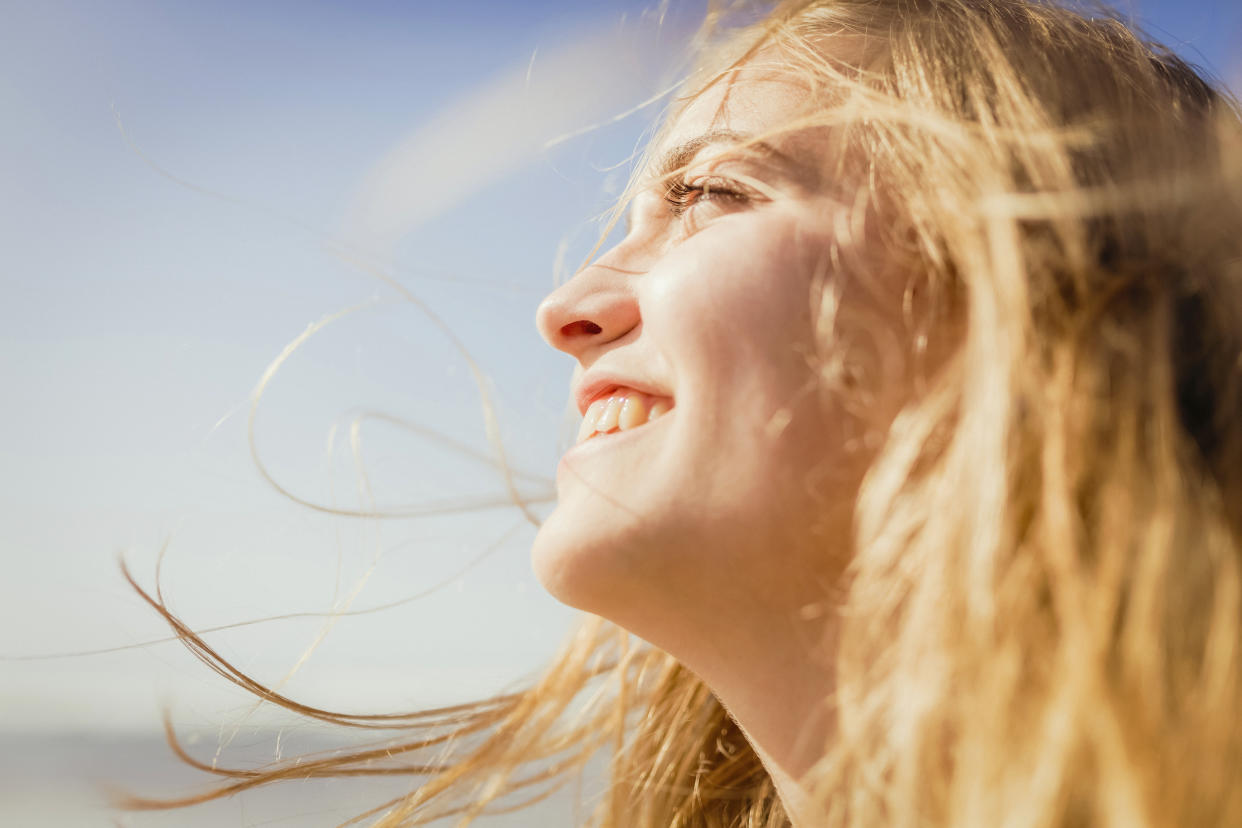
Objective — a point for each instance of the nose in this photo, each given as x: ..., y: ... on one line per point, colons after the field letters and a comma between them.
x: 595, y: 307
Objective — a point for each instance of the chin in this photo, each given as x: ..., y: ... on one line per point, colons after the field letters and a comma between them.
x: 584, y: 563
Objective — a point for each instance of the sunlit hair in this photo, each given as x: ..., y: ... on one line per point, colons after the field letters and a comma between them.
x: 1040, y: 624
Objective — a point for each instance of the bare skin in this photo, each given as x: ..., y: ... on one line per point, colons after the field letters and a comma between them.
x: 718, y: 530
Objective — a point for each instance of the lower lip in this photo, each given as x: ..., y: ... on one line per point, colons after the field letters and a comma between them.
x: 602, y: 442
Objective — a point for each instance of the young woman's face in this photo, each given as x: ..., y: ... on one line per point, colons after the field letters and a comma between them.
x: 717, y: 479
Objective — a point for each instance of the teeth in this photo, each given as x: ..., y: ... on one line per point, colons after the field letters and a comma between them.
x: 633, y: 413
x: 588, y: 424
x: 621, y: 411
x: 612, y: 410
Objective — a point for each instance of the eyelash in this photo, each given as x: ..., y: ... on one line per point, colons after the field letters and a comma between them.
x: 682, y: 193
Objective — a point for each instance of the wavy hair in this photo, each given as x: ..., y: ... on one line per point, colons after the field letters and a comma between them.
x: 1041, y: 621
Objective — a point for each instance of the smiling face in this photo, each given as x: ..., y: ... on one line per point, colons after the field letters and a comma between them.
x: 710, y: 471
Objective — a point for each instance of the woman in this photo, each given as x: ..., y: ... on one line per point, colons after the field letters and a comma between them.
x: 912, y: 444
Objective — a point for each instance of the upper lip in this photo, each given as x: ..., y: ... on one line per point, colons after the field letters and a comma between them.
x: 594, y: 385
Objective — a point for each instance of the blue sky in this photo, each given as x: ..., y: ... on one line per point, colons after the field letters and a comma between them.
x: 140, y: 310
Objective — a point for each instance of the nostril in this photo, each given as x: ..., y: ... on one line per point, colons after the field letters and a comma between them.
x: 582, y: 326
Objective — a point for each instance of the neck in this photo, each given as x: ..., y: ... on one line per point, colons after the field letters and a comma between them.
x: 777, y: 688
x: 799, y: 807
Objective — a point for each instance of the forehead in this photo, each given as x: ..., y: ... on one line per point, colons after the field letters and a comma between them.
x: 759, y: 96
x: 759, y: 109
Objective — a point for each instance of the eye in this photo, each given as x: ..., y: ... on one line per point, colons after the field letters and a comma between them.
x: 683, y: 194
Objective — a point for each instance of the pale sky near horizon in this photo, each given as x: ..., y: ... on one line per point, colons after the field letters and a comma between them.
x: 178, y: 180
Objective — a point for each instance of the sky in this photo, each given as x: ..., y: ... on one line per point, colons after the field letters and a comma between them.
x: 189, y: 186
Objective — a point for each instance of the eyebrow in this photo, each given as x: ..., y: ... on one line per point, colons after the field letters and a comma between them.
x: 684, y: 153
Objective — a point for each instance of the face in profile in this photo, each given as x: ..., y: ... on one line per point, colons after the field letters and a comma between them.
x: 710, y: 474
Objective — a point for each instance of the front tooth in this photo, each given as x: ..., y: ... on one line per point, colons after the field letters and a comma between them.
x: 587, y: 428
x: 608, y: 418
x: 633, y: 413
x: 590, y: 419
x: 659, y: 408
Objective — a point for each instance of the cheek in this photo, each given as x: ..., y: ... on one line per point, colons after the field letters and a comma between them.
x: 735, y: 319
x: 743, y: 282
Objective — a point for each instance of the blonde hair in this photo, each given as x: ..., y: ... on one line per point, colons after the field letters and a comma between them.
x: 1041, y: 620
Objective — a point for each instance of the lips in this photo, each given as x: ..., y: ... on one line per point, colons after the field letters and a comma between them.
x: 621, y: 409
